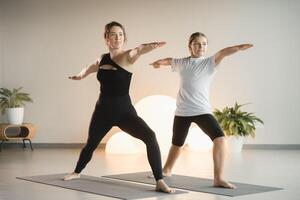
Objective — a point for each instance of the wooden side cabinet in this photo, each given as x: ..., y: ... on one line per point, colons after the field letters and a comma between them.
x: 23, y: 132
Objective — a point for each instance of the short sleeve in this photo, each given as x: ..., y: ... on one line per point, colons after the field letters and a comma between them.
x: 176, y: 64
x: 212, y: 63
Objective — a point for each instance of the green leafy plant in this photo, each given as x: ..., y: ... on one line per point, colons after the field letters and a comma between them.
x: 12, y: 98
x: 235, y: 122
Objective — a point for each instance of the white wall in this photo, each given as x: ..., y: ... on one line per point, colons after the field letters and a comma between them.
x: 1, y: 49
x: 46, y: 41
x: 1, y: 43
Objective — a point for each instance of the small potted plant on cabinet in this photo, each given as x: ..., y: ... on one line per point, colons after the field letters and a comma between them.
x: 11, y: 103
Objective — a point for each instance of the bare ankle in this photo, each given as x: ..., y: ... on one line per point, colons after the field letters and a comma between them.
x: 218, y: 178
x: 166, y: 170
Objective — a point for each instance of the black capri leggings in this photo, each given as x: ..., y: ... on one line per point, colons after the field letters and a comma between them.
x: 206, y: 122
x: 120, y: 112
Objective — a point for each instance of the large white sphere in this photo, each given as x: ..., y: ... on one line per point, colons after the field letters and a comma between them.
x: 158, y: 112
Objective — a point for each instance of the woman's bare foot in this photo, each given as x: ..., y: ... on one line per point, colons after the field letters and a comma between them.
x: 161, y: 186
x: 71, y: 176
x: 224, y: 184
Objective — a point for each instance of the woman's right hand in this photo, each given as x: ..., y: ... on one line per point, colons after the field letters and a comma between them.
x: 155, y: 65
x: 75, y: 77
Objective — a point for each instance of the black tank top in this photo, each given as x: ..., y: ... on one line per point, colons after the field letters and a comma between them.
x: 113, y: 82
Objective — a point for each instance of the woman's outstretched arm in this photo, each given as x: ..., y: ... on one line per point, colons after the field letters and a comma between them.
x: 229, y: 51
x: 158, y: 63
x: 86, y: 71
x: 135, y: 53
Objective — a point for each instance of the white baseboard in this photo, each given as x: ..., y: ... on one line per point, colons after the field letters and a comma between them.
x: 102, y: 145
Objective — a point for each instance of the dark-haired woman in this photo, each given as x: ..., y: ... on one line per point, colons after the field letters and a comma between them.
x: 114, y: 107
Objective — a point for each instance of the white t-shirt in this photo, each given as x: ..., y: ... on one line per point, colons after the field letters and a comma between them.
x: 196, y: 75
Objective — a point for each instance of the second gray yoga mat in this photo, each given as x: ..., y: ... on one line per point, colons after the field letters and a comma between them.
x: 101, y: 186
x: 195, y: 184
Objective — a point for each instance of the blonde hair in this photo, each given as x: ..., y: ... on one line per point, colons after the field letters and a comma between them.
x: 195, y: 35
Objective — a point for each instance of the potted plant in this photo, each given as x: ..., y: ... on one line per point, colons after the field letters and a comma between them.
x: 236, y: 125
x: 11, y: 103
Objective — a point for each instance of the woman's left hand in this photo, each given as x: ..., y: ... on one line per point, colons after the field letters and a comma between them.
x: 245, y: 46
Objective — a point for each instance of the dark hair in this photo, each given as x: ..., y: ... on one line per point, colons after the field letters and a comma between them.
x: 110, y: 25
x: 195, y: 35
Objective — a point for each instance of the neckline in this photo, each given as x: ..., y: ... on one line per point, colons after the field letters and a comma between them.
x: 199, y: 58
x: 118, y: 66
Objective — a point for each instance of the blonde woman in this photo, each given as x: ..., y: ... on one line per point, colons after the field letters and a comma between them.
x: 196, y: 74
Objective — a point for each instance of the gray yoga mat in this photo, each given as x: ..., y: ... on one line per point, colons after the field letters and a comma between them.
x: 101, y: 186
x: 195, y: 184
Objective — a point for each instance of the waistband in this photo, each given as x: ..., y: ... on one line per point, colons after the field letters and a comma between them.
x: 124, y: 99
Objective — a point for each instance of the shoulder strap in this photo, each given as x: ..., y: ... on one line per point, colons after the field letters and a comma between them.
x: 106, y: 60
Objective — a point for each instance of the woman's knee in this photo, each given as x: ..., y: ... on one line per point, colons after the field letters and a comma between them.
x: 178, y: 143
x: 178, y: 140
x: 149, y: 137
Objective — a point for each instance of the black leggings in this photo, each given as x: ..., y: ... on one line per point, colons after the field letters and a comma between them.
x: 120, y: 112
x: 206, y: 122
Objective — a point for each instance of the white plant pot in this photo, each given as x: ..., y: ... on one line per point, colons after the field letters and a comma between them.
x: 14, y: 115
x: 235, y: 144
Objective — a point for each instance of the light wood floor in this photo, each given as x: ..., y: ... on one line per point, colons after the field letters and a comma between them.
x: 276, y: 168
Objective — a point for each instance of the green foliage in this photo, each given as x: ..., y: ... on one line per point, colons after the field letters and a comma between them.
x: 235, y: 122
x: 12, y: 98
